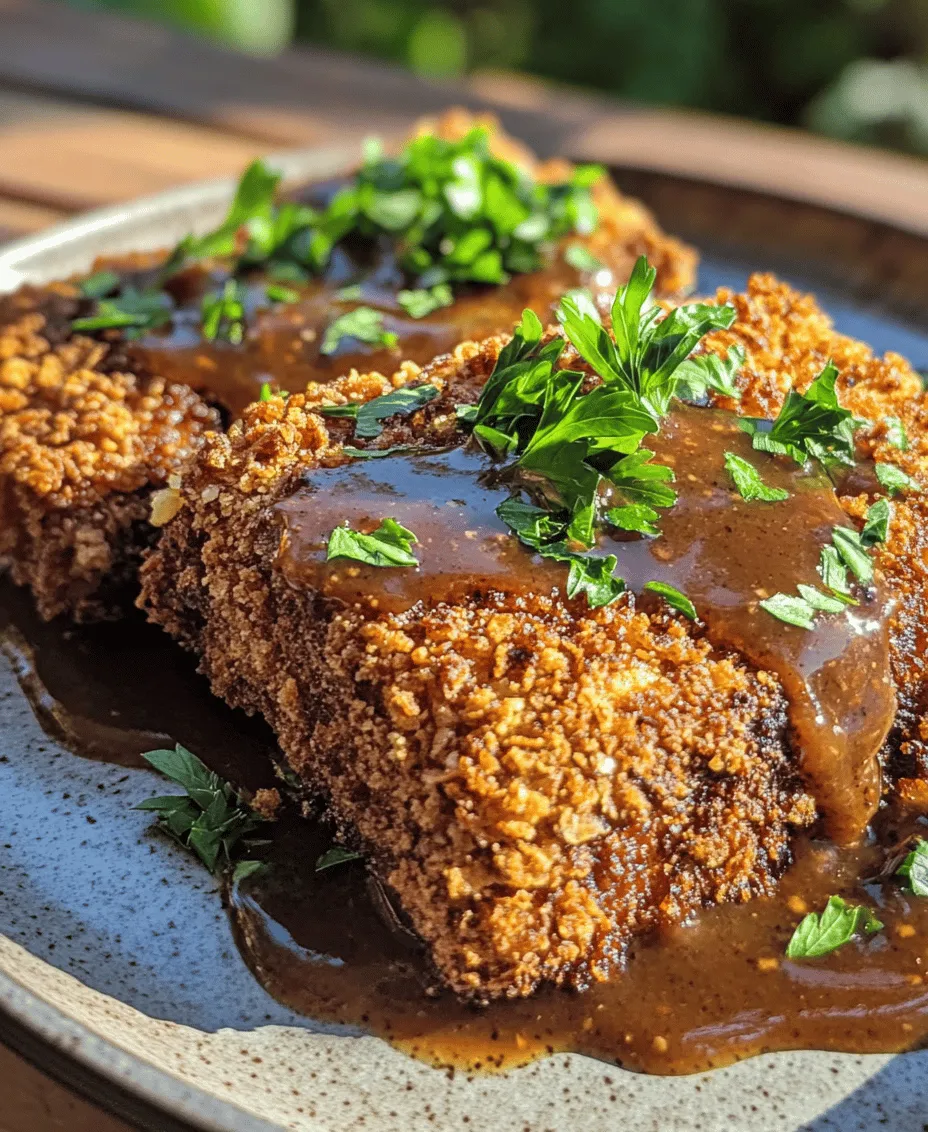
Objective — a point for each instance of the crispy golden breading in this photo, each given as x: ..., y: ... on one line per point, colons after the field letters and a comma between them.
x: 787, y: 337
x: 81, y: 448
x: 86, y: 436
x: 536, y: 781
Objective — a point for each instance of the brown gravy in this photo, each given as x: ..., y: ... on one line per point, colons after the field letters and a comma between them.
x: 724, y: 553
x: 701, y: 995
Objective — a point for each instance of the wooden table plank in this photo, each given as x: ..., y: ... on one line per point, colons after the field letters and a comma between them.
x: 17, y: 218
x: 307, y: 96
x: 70, y: 157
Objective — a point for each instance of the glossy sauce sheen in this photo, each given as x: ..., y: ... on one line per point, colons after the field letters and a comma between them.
x: 328, y: 943
x: 724, y: 553
x: 282, y: 343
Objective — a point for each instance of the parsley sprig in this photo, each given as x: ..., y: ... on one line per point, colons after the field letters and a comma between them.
x: 819, y: 934
x: 573, y: 454
x: 132, y: 311
x: 810, y: 424
x: 211, y: 819
x: 223, y: 314
x: 389, y: 545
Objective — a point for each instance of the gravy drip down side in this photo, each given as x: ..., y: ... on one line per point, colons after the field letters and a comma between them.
x: 725, y: 553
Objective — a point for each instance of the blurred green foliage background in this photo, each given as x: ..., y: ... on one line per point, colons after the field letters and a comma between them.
x: 855, y: 69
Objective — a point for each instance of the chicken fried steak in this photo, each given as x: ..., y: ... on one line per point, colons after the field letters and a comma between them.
x: 402, y: 260
x: 82, y: 447
x: 540, y: 761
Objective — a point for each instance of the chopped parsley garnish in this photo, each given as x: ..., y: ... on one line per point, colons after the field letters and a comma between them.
x: 581, y: 258
x: 748, y: 482
x: 819, y: 934
x: 876, y: 527
x: 267, y: 393
x: 674, y: 598
x: 223, y: 315
x: 647, y: 351
x: 915, y: 868
x: 131, y: 310
x: 379, y: 453
x: 99, y: 285
x: 574, y: 457
x: 896, y: 434
x: 363, y: 324
x: 211, y: 819
x: 388, y: 545
x: 894, y: 479
x: 369, y: 415
x: 810, y: 424
x: 791, y: 609
x: 417, y: 304
x: 251, y: 210
x: 848, y: 552
x: 635, y: 517
x: 336, y: 856
x: 697, y: 377
x: 279, y: 293
x: 456, y: 213
x: 853, y: 553
x: 834, y: 575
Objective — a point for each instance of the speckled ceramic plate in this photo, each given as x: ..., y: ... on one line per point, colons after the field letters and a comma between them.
x: 118, y: 972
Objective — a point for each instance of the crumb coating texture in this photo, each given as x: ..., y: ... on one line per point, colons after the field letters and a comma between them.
x: 536, y: 781
x: 787, y: 339
x: 80, y: 450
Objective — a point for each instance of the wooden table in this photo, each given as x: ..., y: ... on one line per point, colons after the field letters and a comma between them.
x: 95, y: 110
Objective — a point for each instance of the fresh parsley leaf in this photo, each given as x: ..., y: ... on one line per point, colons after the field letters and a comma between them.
x: 894, y: 479
x: 278, y: 293
x: 820, y: 934
x: 915, y: 868
x: 417, y: 304
x: 643, y: 482
x: 388, y: 545
x: 821, y: 603
x: 698, y: 376
x: 465, y: 414
x: 99, y: 285
x: 896, y: 434
x: 645, y: 351
x: 245, y: 869
x: 635, y: 517
x: 251, y: 205
x: 748, y: 482
x: 223, y: 315
x: 369, y: 415
x: 809, y: 424
x: 349, y: 411
x: 362, y: 324
x: 581, y: 258
x: 379, y: 453
x: 876, y: 527
x: 543, y: 532
x: 674, y: 598
x: 131, y: 310
x: 853, y: 554
x: 211, y: 820
x: 336, y: 856
x: 834, y: 574
x: 791, y: 609
x: 594, y: 578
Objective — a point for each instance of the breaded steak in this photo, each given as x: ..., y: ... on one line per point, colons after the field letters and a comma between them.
x: 91, y: 424
x: 82, y: 446
x: 537, y: 781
